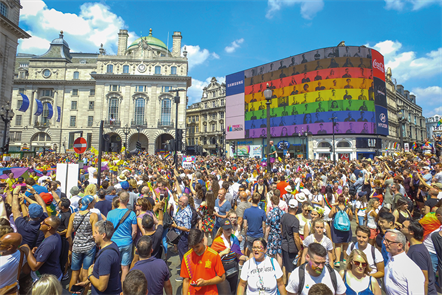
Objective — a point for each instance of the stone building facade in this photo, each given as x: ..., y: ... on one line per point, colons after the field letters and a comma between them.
x: 129, y: 91
x: 211, y: 121
x: 432, y: 128
x: 9, y: 34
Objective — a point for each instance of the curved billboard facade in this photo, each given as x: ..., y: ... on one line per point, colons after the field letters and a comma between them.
x: 346, y: 82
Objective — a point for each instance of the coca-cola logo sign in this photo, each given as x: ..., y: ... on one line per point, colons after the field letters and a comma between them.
x: 379, y: 66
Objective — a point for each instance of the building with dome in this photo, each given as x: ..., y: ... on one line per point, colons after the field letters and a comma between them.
x: 69, y: 92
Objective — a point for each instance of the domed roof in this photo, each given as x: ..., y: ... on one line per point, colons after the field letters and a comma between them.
x: 60, y: 40
x: 152, y: 41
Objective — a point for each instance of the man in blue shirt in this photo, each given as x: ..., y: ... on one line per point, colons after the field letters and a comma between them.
x: 182, y: 225
x: 254, y: 222
x: 124, y: 233
x: 38, y: 188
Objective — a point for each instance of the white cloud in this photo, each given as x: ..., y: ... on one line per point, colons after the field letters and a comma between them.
x: 94, y: 25
x: 309, y: 8
x: 234, y: 45
x: 406, y: 65
x: 415, y: 4
x: 430, y: 99
x: 197, y: 56
x: 195, y: 92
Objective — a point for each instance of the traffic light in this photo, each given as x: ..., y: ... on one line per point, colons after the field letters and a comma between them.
x: 138, y: 145
x: 233, y: 145
x: 179, y: 138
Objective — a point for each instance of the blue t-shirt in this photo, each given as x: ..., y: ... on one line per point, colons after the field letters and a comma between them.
x: 156, y: 272
x: 104, y: 207
x: 108, y: 263
x: 123, y: 235
x: 38, y: 188
x: 223, y: 209
x: 110, y: 197
x: 49, y: 252
x: 29, y: 230
x: 255, y: 217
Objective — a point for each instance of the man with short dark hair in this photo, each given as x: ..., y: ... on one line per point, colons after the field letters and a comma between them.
x: 102, y: 204
x: 203, y: 267
x: 254, y: 222
x: 46, y: 258
x: 135, y: 283
x: 155, y: 270
x: 315, y: 271
x: 291, y: 243
x: 414, y: 232
x: 242, y: 206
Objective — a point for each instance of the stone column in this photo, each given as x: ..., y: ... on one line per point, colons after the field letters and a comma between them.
x: 32, y: 108
x: 54, y: 107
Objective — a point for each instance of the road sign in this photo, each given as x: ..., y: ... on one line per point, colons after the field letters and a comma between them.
x: 80, y: 145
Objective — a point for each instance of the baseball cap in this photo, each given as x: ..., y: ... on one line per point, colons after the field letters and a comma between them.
x: 35, y: 211
x: 293, y: 203
x: 125, y: 185
x: 47, y: 198
x: 110, y: 189
x: 226, y: 224
x: 74, y: 191
x: 426, y: 168
x: 85, y: 201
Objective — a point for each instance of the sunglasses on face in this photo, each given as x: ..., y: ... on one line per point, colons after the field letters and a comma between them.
x: 358, y: 263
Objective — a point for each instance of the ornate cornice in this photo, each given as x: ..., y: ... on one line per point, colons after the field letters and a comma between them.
x: 54, y: 82
x: 167, y: 78
x: 6, y: 23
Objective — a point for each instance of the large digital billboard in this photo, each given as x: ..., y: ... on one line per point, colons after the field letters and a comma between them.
x: 308, y: 90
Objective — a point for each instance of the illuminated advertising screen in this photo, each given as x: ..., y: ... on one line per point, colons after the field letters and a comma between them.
x: 309, y: 89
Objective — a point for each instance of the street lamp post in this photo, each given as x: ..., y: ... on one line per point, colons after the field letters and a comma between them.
x: 177, y: 101
x: 138, y: 130
x: 333, y: 142
x: 126, y: 131
x: 6, y: 114
x: 401, y: 120
x: 268, y: 93
x: 224, y: 143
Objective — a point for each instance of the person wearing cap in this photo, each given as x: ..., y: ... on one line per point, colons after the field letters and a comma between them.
x: 291, y: 242
x: 9, y: 262
x: 74, y: 198
x: 45, y: 259
x: 228, y: 247
x: 83, y: 248
x: 111, y: 193
x: 125, y: 186
x: 29, y: 229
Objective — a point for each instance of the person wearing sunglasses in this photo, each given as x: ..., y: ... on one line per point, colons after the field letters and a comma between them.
x: 357, y: 277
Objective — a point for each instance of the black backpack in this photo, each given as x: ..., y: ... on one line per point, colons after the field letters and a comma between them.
x: 194, y: 220
x: 352, y: 190
x: 302, y: 278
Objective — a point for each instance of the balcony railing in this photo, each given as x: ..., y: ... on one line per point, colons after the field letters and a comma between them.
x: 111, y: 123
x: 165, y: 124
x: 38, y: 124
x: 138, y: 123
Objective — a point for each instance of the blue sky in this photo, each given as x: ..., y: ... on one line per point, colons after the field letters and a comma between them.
x: 223, y: 37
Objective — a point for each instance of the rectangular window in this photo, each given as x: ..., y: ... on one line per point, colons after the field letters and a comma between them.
x: 213, y: 104
x: 125, y: 69
x: 76, y: 75
x: 91, y: 105
x: 18, y: 120
x: 157, y: 70
x: 91, y: 92
x: 213, y: 127
x: 114, y: 87
x: 73, y: 121
x: 71, y: 140
x: 166, y: 88
x: 22, y: 75
x: 47, y: 93
x: 173, y: 70
x: 17, y: 136
x: 110, y: 68
x: 89, y: 140
x: 222, y: 102
x: 74, y: 105
x: 196, y: 129
x: 205, y: 129
x: 197, y: 118
x: 90, y: 121
x: 19, y: 103
x: 139, y: 88
x: 21, y: 90
x: 221, y: 115
x: 74, y: 92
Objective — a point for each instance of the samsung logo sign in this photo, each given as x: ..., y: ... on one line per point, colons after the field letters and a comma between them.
x: 235, y: 83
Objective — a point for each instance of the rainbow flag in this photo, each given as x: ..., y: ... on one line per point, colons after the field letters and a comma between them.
x: 25, y: 148
x: 414, y: 146
x: 439, y: 123
x: 218, y: 245
x: 167, y: 156
x: 395, y: 145
x: 327, y: 203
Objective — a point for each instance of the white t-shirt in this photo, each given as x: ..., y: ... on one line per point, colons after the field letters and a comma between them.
x: 309, y: 281
x: 9, y: 268
x: 74, y: 201
x: 377, y: 256
x: 42, y: 179
x: 328, y: 245
x: 428, y: 242
x: 361, y: 208
x: 252, y: 272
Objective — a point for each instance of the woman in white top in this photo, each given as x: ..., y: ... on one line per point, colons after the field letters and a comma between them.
x: 261, y: 274
x: 317, y: 213
x: 316, y: 198
x: 371, y: 217
x: 361, y: 208
x: 318, y: 237
x: 303, y: 217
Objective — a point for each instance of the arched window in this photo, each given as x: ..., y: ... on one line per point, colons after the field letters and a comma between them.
x: 324, y: 144
x: 157, y: 70
x: 173, y: 70
x: 125, y: 69
x: 139, y: 111
x: 45, y: 114
x: 343, y: 144
x: 41, y: 136
x: 166, y: 111
x: 113, y: 108
x: 110, y: 68
x: 76, y: 75
x: 3, y: 9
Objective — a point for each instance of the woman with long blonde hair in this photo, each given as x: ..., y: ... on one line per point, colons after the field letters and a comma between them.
x: 47, y: 284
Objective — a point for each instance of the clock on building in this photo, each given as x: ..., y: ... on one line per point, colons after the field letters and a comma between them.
x: 142, y: 68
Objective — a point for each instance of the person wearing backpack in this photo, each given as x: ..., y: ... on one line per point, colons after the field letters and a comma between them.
x: 313, y: 272
x: 341, y: 228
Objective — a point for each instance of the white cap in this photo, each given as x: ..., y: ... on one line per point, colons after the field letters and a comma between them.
x: 293, y: 203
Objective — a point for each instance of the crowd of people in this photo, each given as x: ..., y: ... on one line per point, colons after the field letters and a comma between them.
x: 238, y: 225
